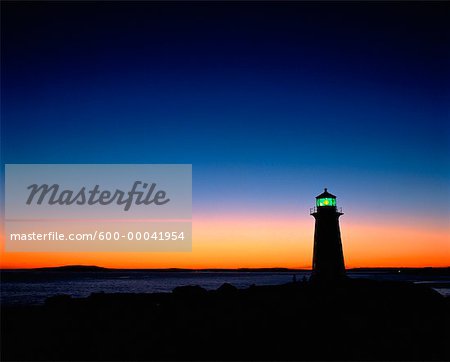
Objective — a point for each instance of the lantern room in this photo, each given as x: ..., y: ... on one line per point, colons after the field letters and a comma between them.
x: 326, y: 199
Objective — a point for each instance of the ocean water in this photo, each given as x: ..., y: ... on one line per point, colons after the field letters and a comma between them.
x: 33, y: 287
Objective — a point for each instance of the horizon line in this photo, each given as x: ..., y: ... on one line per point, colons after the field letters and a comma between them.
x: 218, y: 268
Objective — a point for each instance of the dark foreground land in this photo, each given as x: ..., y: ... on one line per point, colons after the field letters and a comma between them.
x: 358, y: 319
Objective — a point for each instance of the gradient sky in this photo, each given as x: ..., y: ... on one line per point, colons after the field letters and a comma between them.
x: 270, y: 102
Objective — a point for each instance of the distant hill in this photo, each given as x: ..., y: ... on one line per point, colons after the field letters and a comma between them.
x: 94, y: 268
x: 74, y: 268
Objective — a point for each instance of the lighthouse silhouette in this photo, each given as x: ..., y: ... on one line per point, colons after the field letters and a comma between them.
x: 328, y: 258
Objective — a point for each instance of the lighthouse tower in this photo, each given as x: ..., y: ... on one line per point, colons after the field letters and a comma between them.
x: 328, y: 258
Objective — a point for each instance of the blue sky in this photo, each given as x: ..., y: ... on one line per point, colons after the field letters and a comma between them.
x: 270, y: 102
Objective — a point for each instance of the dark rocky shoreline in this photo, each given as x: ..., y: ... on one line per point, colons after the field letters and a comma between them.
x: 353, y: 320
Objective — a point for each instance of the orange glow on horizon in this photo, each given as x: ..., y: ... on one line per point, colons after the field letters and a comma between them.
x: 262, y: 241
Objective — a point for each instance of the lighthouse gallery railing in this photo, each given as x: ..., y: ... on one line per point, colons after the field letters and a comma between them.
x: 313, y: 210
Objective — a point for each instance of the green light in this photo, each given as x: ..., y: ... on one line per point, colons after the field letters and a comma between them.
x: 327, y: 201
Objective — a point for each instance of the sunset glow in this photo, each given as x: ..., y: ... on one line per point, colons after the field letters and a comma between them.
x: 224, y: 241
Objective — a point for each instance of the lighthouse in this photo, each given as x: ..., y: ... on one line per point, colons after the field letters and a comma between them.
x: 328, y: 258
